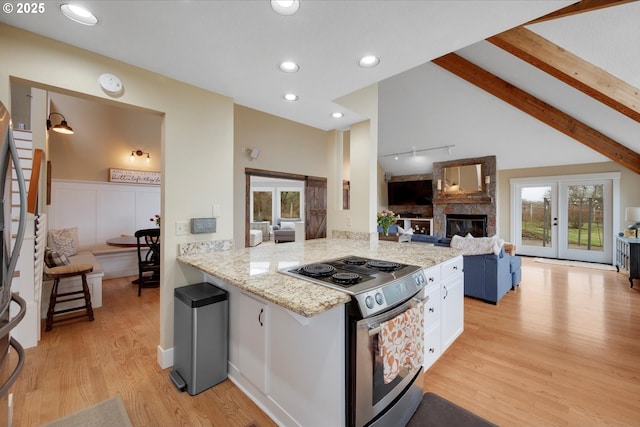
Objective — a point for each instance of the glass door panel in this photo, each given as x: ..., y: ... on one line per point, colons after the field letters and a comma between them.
x: 538, y: 218
x: 586, y: 231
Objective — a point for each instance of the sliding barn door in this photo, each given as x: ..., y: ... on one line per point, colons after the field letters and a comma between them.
x: 316, y: 208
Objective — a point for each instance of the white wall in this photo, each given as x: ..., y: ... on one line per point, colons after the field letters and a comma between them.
x: 429, y: 107
x: 102, y: 210
x: 196, y: 134
x: 285, y: 146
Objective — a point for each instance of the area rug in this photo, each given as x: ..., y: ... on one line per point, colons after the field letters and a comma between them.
x: 108, y: 413
x: 592, y: 265
x: 436, y: 411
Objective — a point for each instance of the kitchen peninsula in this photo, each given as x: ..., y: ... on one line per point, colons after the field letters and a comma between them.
x: 287, y: 336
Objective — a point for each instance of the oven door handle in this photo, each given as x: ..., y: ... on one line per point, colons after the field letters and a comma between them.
x: 422, y: 300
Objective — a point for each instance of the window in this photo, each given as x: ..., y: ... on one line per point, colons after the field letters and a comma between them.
x: 262, y: 205
x: 290, y: 204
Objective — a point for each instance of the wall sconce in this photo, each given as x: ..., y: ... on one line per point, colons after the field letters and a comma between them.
x: 633, y: 215
x: 487, y: 179
x: 63, y: 127
x: 139, y: 153
x: 439, y: 185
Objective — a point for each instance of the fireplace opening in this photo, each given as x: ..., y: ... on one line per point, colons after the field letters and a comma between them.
x: 463, y: 224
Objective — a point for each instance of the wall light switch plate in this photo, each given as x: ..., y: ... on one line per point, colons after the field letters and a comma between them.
x: 182, y: 228
x: 203, y: 225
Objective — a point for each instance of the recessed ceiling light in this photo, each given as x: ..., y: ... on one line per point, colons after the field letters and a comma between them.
x: 78, y: 14
x: 290, y: 97
x: 288, y: 67
x: 285, y: 7
x: 337, y: 115
x: 368, y: 61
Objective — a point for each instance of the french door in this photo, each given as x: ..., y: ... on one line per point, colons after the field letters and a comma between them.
x: 568, y: 217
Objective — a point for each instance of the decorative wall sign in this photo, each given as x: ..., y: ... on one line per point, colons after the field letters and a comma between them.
x: 134, y: 177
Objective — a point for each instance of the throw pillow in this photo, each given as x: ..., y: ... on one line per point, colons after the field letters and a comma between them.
x: 64, y: 240
x: 477, y: 246
x: 287, y: 225
x: 54, y: 258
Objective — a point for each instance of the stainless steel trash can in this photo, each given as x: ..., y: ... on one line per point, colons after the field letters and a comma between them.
x: 200, y: 337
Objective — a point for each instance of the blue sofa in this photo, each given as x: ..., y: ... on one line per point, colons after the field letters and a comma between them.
x: 425, y: 238
x: 488, y: 277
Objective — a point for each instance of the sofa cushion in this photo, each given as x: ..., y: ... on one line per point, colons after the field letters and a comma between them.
x: 287, y: 225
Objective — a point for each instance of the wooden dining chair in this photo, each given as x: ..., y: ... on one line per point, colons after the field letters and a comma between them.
x: 148, y: 260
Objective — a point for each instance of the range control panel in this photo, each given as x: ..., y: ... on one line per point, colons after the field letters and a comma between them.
x: 383, y: 297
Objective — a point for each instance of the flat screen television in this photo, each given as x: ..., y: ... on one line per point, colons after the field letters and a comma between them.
x: 418, y: 193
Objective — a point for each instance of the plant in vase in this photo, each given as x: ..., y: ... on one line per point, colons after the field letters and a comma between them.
x: 385, y: 220
x: 156, y: 219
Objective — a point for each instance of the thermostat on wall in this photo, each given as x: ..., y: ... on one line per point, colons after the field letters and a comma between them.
x: 203, y: 225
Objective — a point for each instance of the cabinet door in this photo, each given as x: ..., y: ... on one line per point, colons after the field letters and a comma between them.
x: 432, y: 307
x: 431, y: 346
x: 252, y: 359
x: 452, y: 309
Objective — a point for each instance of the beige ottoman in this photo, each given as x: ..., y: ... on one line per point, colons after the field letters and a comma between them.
x: 255, y: 237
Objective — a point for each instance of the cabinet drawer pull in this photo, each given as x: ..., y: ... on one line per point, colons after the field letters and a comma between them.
x: 432, y: 350
x: 431, y: 309
x: 260, y: 317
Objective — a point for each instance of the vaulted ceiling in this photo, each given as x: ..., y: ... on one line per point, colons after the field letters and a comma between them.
x: 577, y: 95
x: 567, y: 67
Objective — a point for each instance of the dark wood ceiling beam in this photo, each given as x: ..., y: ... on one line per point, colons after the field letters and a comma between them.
x: 572, y: 70
x: 579, y: 7
x: 540, y: 110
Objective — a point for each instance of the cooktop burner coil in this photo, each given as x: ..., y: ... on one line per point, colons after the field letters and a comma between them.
x: 354, y: 260
x: 346, y: 278
x: 383, y: 265
x: 318, y: 270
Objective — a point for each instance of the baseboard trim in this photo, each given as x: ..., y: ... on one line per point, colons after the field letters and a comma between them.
x: 165, y: 357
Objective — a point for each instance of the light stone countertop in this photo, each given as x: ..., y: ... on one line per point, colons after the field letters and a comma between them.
x: 256, y: 269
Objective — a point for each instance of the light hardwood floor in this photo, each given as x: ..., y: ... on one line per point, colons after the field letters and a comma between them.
x: 562, y: 350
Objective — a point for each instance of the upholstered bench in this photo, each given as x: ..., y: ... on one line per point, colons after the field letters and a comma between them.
x: 255, y: 237
x: 116, y: 261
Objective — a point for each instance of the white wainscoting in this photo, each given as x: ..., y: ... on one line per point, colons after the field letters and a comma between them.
x: 102, y: 210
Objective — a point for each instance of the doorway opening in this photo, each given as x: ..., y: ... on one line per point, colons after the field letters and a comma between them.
x: 566, y: 217
x: 285, y: 195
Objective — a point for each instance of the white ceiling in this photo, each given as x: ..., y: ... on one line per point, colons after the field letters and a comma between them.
x: 233, y: 47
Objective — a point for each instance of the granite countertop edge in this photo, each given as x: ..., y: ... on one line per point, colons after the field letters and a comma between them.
x: 255, y: 270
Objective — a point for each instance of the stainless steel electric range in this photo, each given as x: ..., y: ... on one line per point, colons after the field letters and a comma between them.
x: 376, y: 285
x: 381, y: 291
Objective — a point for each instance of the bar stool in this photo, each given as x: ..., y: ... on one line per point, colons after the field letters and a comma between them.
x: 57, y: 273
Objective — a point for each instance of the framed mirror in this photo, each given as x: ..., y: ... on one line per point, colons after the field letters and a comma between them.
x: 463, y: 179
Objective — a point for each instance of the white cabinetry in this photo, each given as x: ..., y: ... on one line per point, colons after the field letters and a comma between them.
x: 452, y: 301
x: 252, y: 354
x: 432, y: 326
x: 293, y: 367
x: 444, y: 310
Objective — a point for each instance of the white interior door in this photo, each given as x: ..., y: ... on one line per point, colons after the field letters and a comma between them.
x: 568, y: 217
